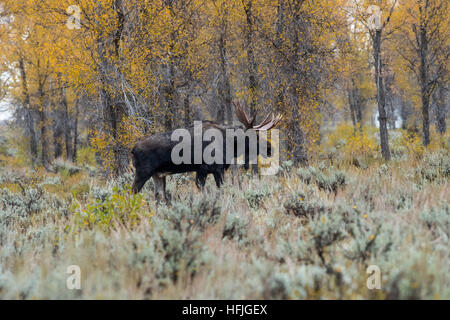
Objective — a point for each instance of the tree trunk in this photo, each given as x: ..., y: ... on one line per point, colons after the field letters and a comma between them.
x: 224, y: 85
x: 355, y: 101
x: 424, y: 85
x: 114, y: 113
x: 425, y: 97
x: 251, y: 66
x: 169, y: 96
x: 351, y: 104
x: 297, y: 136
x: 187, y: 111
x: 440, y: 98
x: 112, y: 102
x: 57, y: 131
x: 251, y: 57
x: 75, y: 133
x: 381, y: 99
x: 358, y: 111
x: 28, y: 114
x: 66, y: 125
x: 32, y: 135
x: 405, y: 112
x: 298, y: 148
x: 279, y: 24
x: 43, y: 125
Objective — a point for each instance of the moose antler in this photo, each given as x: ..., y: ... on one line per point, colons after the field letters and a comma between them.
x: 243, y: 117
x: 268, y: 123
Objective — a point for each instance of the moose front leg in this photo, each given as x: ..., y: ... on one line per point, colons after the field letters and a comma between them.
x: 139, y: 181
x: 218, y: 177
x: 160, y: 188
x: 200, y: 179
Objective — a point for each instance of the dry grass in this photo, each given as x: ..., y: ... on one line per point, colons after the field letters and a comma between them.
x: 229, y: 243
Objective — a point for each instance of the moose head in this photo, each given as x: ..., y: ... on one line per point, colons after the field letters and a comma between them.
x: 249, y: 123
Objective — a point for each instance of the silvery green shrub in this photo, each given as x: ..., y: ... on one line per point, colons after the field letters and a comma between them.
x: 255, y: 198
x: 236, y: 226
x: 329, y: 180
x: 437, y: 219
x: 298, y: 205
x: 179, y: 250
x: 197, y: 215
x: 435, y: 166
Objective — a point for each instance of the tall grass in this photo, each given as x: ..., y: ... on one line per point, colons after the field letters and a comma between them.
x: 307, y: 233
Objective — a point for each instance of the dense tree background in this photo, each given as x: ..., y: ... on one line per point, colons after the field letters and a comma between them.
x: 131, y: 68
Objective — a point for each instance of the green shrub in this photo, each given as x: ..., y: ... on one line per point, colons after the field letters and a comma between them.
x: 105, y: 209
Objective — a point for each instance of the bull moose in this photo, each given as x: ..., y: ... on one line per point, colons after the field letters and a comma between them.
x: 152, y: 156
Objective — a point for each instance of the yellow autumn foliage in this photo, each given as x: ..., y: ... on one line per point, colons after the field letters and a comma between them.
x: 348, y: 142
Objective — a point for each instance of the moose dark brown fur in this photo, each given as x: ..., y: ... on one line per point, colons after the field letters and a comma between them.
x: 152, y: 155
